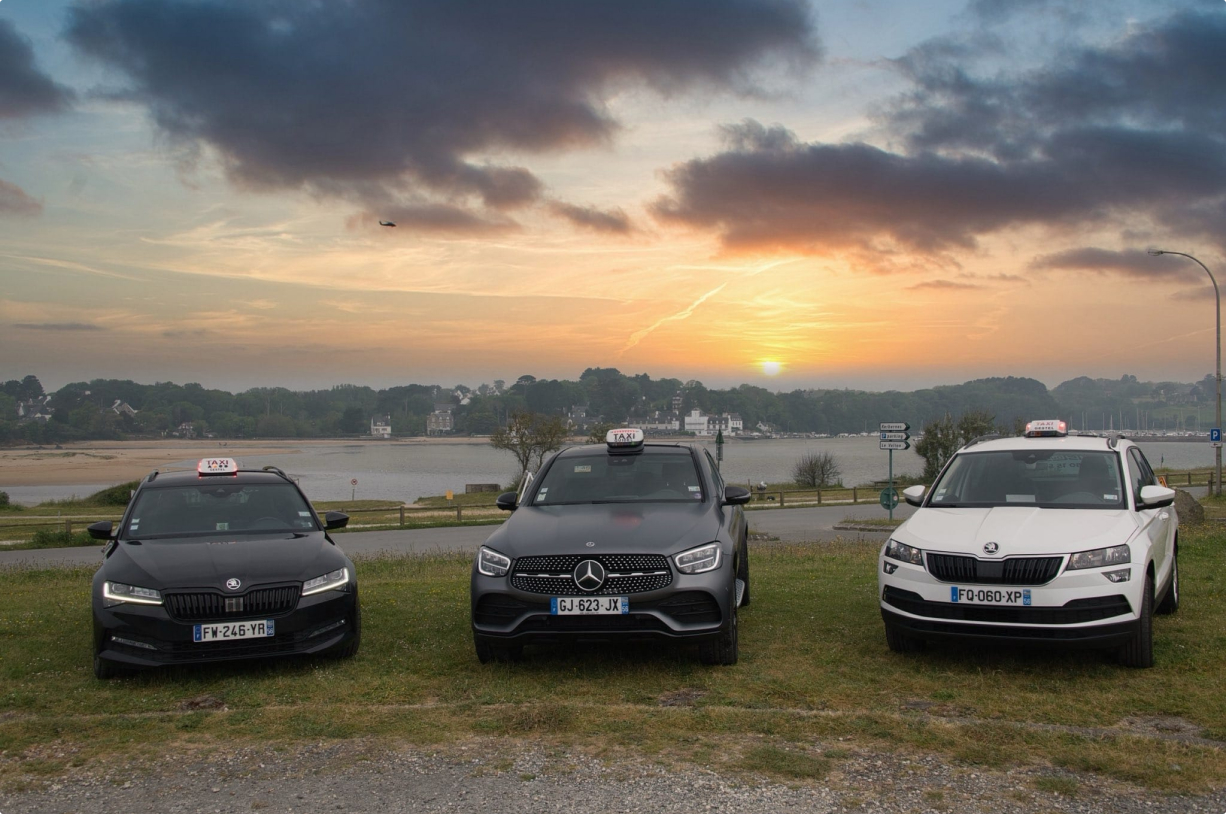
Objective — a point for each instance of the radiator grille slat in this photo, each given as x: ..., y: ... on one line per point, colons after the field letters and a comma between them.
x: 627, y: 574
x: 198, y: 606
x: 1010, y: 571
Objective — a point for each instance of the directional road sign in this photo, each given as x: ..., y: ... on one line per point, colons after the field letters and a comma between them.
x: 895, y: 436
x: 894, y: 445
x: 894, y: 426
x: 1215, y: 435
x: 889, y: 498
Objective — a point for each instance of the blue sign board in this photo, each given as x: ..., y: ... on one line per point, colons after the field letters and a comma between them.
x: 1215, y: 435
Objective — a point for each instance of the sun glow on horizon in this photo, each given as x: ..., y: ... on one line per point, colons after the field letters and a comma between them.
x: 771, y: 368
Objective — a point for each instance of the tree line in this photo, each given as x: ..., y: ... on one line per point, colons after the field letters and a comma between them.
x: 83, y: 410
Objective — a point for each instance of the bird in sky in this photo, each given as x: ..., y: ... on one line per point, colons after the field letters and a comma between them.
x: 386, y: 223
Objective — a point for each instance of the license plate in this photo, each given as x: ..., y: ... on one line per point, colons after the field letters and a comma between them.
x: 990, y: 596
x: 257, y: 629
x: 585, y: 605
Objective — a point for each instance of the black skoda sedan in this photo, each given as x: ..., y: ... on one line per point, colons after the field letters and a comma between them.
x: 620, y: 542
x: 221, y: 564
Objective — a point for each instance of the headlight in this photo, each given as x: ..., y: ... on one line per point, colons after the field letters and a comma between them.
x: 328, y: 582
x: 492, y: 564
x: 698, y: 560
x: 903, y: 552
x: 1099, y: 557
x: 116, y: 593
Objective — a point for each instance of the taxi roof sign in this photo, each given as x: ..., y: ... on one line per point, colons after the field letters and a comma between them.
x: 1047, y: 428
x: 628, y: 439
x: 217, y: 466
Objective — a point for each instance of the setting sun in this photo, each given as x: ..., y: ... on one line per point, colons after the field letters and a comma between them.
x: 772, y: 368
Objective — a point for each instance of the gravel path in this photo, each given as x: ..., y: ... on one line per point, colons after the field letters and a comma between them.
x: 514, y: 777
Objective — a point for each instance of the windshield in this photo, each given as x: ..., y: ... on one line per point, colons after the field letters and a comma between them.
x: 1039, y: 477
x: 657, y: 478
x: 211, y: 507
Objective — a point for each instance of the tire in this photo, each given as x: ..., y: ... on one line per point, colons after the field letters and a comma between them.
x: 487, y: 653
x: 722, y: 649
x: 900, y: 642
x: 742, y: 573
x: 1170, y: 602
x: 105, y: 669
x: 1139, y: 652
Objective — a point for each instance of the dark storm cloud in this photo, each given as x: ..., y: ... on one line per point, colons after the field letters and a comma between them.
x: 613, y: 221
x: 1135, y: 263
x: 374, y: 98
x: 15, y: 201
x: 58, y: 326
x: 25, y: 90
x: 1132, y: 132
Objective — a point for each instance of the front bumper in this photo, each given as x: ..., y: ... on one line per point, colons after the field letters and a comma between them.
x: 1079, y: 608
x: 152, y: 638
x: 692, y: 608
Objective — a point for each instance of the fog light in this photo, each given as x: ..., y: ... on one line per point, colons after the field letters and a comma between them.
x: 1118, y: 576
x: 890, y: 567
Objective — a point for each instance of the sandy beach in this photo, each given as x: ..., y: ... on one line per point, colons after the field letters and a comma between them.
x: 111, y: 462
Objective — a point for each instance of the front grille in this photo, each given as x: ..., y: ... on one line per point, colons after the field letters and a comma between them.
x: 626, y: 574
x: 201, y: 606
x: 1011, y: 571
x: 1073, y: 612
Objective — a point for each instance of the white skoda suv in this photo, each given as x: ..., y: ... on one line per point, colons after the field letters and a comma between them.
x: 1042, y: 539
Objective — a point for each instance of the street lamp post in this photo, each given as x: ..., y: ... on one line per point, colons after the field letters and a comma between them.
x: 1217, y: 450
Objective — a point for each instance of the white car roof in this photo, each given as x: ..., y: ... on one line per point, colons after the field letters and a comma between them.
x: 1068, y: 442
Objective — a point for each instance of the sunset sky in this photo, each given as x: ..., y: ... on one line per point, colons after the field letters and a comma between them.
x: 873, y: 194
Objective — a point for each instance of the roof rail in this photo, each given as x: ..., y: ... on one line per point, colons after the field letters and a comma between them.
x: 990, y: 436
x: 1113, y: 439
x: 149, y: 478
x: 277, y: 470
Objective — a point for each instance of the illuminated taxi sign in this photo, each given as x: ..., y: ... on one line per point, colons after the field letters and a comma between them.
x: 1046, y: 428
x: 217, y: 466
x: 624, y: 439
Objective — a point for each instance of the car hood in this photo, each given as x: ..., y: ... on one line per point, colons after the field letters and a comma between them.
x: 1017, y: 530
x: 641, y: 528
x: 200, y: 564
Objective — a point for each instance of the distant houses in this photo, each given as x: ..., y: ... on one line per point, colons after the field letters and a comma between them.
x: 701, y: 424
x: 442, y: 420
x: 381, y: 426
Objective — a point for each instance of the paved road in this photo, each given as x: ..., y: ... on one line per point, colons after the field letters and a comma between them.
x: 788, y: 525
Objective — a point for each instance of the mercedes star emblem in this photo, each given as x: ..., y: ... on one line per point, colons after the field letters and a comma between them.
x: 589, y: 575
x: 234, y: 583
x: 990, y: 549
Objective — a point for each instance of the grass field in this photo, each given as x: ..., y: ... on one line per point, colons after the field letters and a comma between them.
x: 815, y: 679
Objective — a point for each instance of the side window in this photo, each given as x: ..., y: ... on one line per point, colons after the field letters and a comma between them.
x: 1142, y: 475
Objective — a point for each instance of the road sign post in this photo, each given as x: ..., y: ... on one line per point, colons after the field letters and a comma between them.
x: 893, y: 435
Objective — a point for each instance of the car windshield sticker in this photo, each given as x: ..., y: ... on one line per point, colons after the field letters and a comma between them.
x: 304, y: 514
x: 223, y: 526
x: 694, y: 488
x: 583, y: 468
x: 1109, y: 497
x: 544, y: 493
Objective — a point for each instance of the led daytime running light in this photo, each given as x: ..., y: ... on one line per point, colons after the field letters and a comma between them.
x: 327, y: 582
x: 493, y: 564
x: 699, y: 560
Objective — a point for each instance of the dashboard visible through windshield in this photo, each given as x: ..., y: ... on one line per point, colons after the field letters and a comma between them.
x: 1069, y: 479
x: 211, y: 507
x: 656, y: 478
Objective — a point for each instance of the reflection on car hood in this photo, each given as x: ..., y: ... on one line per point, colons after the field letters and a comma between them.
x: 638, y: 528
x: 1017, y: 530
x: 195, y: 564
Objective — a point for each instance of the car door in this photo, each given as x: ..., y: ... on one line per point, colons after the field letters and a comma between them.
x: 1157, y: 524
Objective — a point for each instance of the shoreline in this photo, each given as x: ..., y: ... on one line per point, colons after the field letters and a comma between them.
x: 106, y: 463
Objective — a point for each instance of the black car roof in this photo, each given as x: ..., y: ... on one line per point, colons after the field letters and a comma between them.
x: 189, y: 477
x: 601, y: 449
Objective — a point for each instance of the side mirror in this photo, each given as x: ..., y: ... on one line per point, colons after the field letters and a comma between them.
x: 1155, y: 497
x: 335, y: 520
x: 507, y: 501
x: 914, y: 495
x: 736, y: 495
x: 101, y: 530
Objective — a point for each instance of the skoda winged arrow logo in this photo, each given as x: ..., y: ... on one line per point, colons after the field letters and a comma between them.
x: 589, y: 575
x: 991, y: 548
x: 234, y: 583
